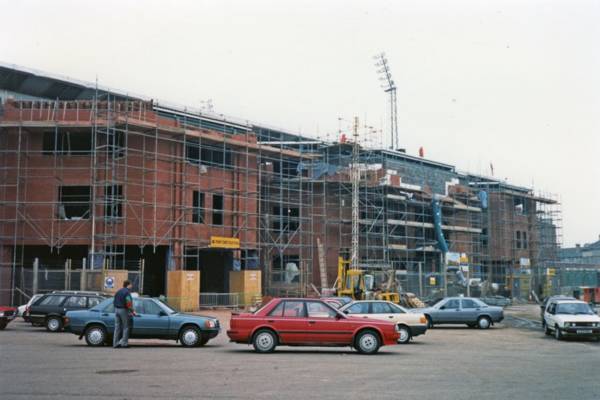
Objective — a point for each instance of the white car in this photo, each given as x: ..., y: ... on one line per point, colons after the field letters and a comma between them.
x: 409, y: 324
x: 571, y: 318
x: 22, y: 310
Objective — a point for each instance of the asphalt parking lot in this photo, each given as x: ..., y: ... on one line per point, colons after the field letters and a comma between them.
x: 512, y: 360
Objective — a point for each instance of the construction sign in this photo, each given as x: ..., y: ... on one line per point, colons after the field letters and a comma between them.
x: 221, y: 242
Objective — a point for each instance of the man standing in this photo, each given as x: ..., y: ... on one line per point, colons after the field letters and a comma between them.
x: 123, y: 313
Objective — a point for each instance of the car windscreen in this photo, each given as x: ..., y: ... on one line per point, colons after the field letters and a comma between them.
x: 103, y: 306
x: 573, y: 308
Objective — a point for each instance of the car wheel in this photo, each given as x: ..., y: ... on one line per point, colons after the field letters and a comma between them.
x: 264, y: 341
x: 54, y: 324
x: 484, y: 323
x: 547, y: 330
x: 189, y: 336
x: 367, y: 342
x: 429, y: 322
x: 95, y: 335
x: 557, y: 334
x: 405, y: 335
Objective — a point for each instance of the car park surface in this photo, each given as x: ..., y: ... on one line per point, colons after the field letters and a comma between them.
x: 449, y: 362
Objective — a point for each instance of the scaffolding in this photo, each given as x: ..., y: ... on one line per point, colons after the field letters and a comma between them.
x: 117, y: 183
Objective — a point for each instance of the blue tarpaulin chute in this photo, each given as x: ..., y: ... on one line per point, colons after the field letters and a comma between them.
x: 483, y: 198
x: 437, y: 222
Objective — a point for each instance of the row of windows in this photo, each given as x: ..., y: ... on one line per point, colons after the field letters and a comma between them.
x: 75, y: 202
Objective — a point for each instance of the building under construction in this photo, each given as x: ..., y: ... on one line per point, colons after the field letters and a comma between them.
x: 94, y: 179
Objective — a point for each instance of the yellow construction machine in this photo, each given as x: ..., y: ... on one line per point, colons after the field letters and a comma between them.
x: 358, y: 285
x: 350, y: 282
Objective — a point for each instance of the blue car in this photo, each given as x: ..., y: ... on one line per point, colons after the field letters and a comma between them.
x: 154, y: 320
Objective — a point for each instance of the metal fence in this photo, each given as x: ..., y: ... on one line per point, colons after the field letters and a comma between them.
x: 230, y: 300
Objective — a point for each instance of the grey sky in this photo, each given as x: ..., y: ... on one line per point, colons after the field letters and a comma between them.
x: 514, y: 83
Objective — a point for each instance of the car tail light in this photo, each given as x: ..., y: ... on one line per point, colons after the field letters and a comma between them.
x: 27, y: 310
x: 423, y: 320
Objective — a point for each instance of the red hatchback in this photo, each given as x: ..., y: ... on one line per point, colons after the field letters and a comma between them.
x: 309, y: 322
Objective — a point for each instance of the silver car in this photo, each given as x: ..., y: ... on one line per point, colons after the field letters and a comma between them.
x: 462, y: 310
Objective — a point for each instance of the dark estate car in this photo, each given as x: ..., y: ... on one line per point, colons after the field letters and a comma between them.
x: 50, y: 309
x: 462, y: 310
x: 7, y: 314
x: 154, y: 320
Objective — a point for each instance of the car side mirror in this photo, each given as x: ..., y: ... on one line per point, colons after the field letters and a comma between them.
x: 442, y: 307
x: 162, y: 314
x: 346, y: 312
x: 339, y: 316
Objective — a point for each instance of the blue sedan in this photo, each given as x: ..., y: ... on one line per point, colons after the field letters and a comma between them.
x: 154, y: 320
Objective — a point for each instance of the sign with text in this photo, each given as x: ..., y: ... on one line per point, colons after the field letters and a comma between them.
x: 220, y: 242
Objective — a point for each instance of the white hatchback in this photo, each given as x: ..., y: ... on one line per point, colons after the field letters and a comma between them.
x: 571, y: 318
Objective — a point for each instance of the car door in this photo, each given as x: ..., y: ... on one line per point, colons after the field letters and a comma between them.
x: 469, y: 311
x: 149, y: 321
x: 382, y: 310
x: 288, y: 319
x: 448, y: 312
x: 324, y: 326
x: 107, y: 316
x: 549, y: 315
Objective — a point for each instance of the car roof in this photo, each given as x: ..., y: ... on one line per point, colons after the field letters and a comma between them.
x: 564, y: 301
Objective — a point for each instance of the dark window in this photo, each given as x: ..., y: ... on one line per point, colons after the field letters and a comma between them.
x: 217, y: 215
x: 67, y: 143
x: 285, y: 167
x: 294, y: 309
x: 214, y: 156
x: 52, y: 300
x: 286, y: 218
x: 198, y: 208
x: 75, y: 302
x: 524, y: 237
x: 518, y: 235
x: 74, y: 202
x: 113, y: 202
x: 520, y: 205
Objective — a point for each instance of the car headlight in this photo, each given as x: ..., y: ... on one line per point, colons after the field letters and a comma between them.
x: 1, y: 313
x: 209, y: 323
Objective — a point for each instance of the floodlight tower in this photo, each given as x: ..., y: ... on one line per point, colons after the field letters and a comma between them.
x: 355, y: 176
x: 389, y: 86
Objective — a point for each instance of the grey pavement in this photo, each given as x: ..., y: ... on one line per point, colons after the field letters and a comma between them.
x: 510, y: 360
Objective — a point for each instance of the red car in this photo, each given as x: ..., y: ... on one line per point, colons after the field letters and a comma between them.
x: 7, y: 314
x: 309, y: 322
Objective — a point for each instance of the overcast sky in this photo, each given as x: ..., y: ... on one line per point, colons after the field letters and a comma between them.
x: 512, y: 83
